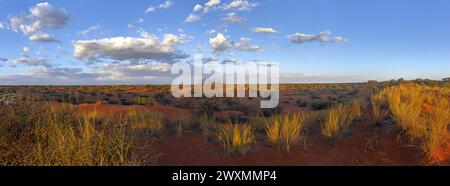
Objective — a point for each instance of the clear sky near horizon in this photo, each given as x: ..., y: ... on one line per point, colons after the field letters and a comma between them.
x: 135, y: 42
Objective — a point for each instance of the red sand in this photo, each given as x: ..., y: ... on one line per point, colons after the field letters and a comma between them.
x: 365, y: 146
x: 191, y: 149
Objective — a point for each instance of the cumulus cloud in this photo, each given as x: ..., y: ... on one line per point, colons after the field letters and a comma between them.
x: 220, y: 43
x: 240, y: 5
x: 29, y: 61
x: 25, y: 49
x: 42, y: 37
x: 198, y: 8
x: 146, y: 47
x: 41, y: 16
x: 265, y: 30
x: 1, y: 26
x: 323, y: 37
x: 166, y: 4
x: 150, y: 9
x: 212, y: 3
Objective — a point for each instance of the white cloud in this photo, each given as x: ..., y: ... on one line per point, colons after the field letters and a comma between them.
x: 25, y: 49
x: 212, y: 3
x: 197, y: 8
x: 134, y: 71
x: 89, y: 30
x: 241, y: 5
x: 192, y: 18
x: 29, y: 61
x: 130, y: 26
x: 211, y: 31
x: 166, y: 4
x: 264, y: 30
x: 220, y: 43
x: 42, y: 16
x: 1, y: 26
x: 150, y: 9
x: 42, y: 37
x: 232, y: 18
x: 323, y: 37
x: 140, y: 20
x: 244, y: 45
x: 145, y: 48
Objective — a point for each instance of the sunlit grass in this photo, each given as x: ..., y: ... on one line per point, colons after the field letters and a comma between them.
x: 284, y: 130
x: 56, y: 135
x: 236, y: 138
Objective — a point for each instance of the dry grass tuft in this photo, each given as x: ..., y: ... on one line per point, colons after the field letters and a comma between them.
x: 236, y: 138
x: 339, y: 118
x: 283, y: 131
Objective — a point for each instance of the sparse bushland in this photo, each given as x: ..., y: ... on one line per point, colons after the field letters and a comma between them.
x: 236, y: 138
x: 47, y: 134
x: 146, y: 123
x: 423, y: 113
x: 284, y: 130
x: 339, y: 118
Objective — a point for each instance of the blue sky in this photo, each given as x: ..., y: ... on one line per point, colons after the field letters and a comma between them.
x: 129, y: 42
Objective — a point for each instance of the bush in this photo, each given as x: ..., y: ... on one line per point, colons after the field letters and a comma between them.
x: 319, y: 104
x: 143, y: 101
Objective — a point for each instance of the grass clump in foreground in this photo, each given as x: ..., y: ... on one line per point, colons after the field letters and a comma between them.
x: 236, y: 138
x: 46, y: 134
x: 283, y: 131
x: 423, y: 113
x: 339, y: 118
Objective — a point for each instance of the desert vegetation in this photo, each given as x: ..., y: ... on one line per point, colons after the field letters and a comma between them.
x: 52, y: 134
x: 235, y: 138
x: 139, y: 125
x: 284, y: 130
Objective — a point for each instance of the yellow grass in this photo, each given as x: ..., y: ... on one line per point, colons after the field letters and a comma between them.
x: 283, y: 131
x: 208, y: 127
x: 236, y: 138
x: 423, y: 112
x: 147, y: 123
x: 377, y: 110
x: 339, y: 118
x: 55, y: 135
